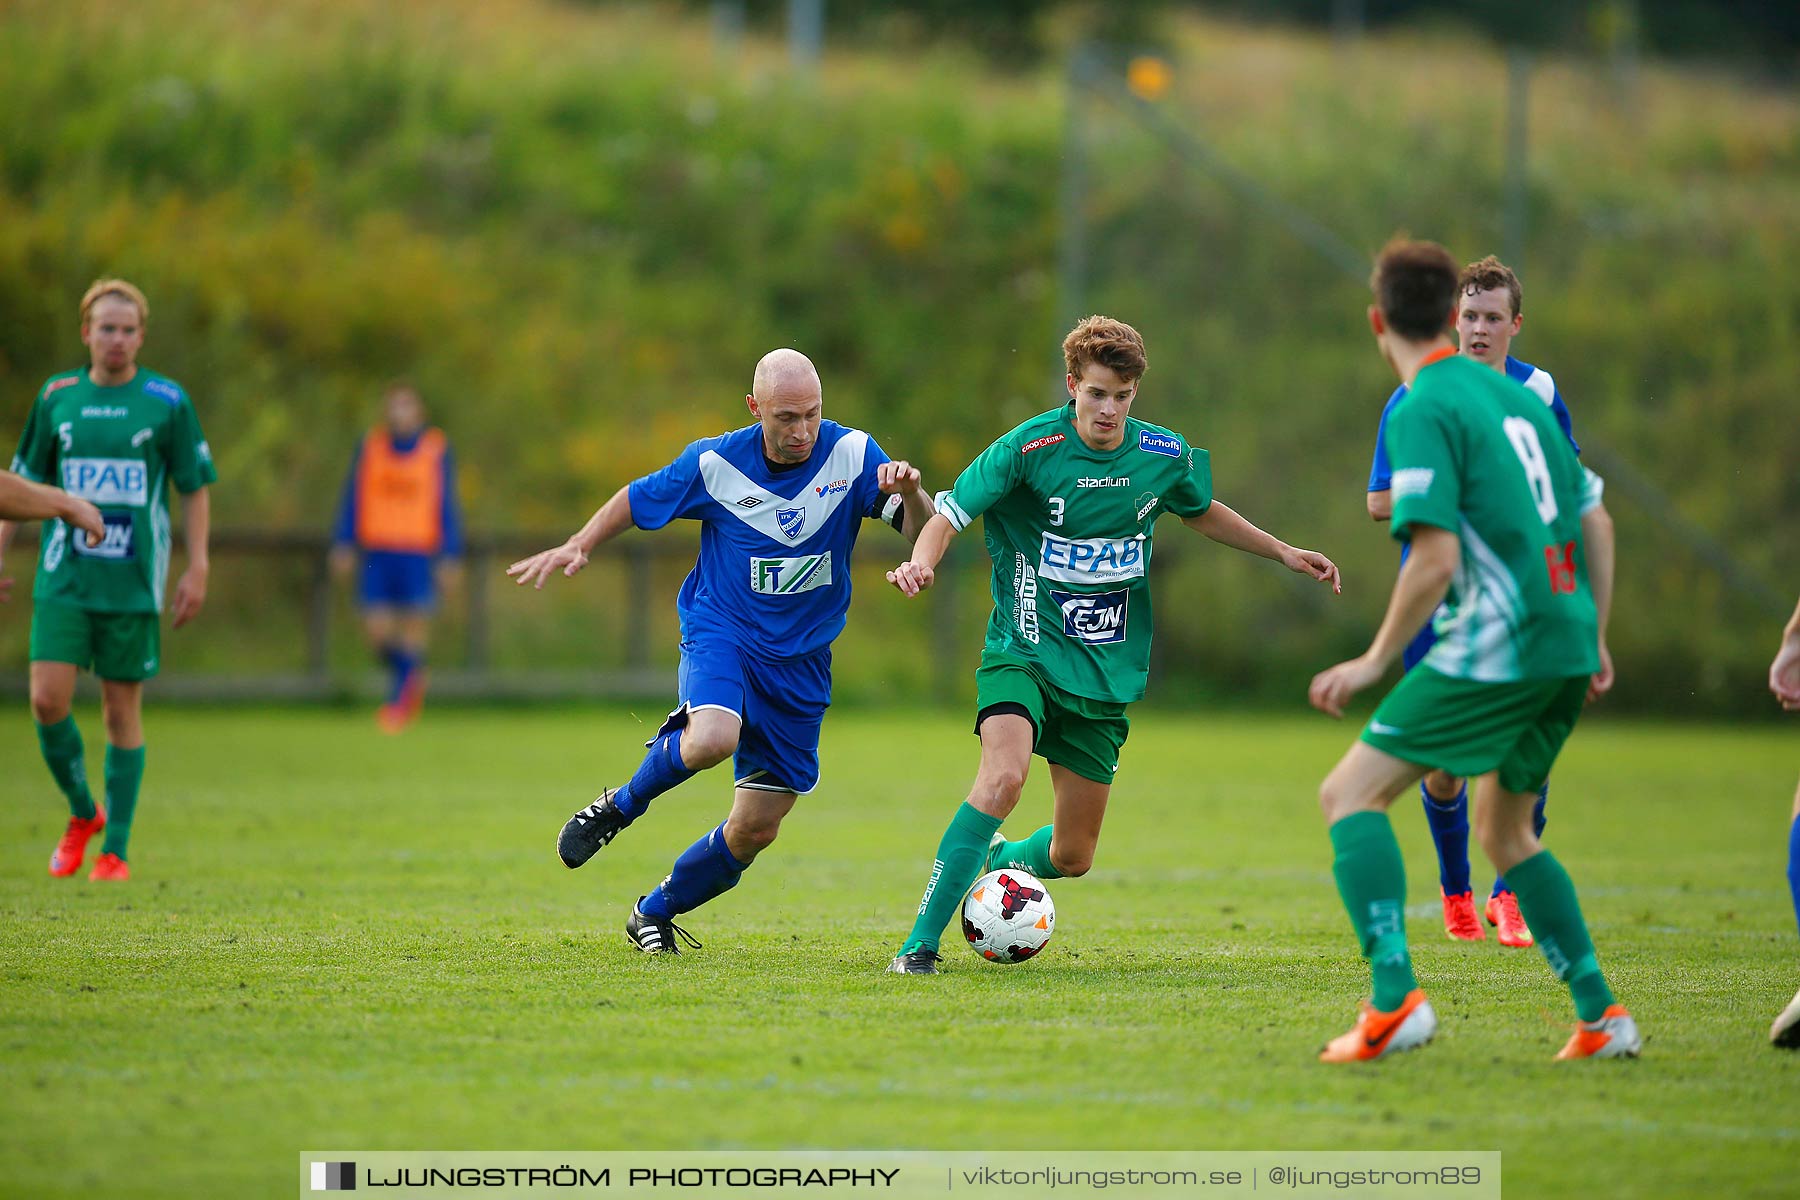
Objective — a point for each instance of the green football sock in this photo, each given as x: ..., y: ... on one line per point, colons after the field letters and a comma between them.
x: 1032, y: 854
x: 1371, y: 878
x: 124, y: 772
x: 61, y: 744
x: 959, y: 857
x: 1547, y: 902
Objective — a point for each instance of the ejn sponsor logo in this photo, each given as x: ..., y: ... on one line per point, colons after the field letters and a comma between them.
x: 334, y: 1177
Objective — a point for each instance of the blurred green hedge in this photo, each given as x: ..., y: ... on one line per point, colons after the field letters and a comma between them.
x: 577, y: 228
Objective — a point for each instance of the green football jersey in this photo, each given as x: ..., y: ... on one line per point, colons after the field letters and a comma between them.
x: 1069, y: 529
x: 1478, y: 455
x: 119, y: 448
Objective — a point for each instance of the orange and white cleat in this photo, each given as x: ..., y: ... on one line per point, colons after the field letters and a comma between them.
x: 71, y: 848
x: 1508, y: 922
x: 392, y: 718
x: 1785, y: 1032
x: 1460, y: 920
x: 110, y: 866
x: 1378, y: 1034
x: 1614, y: 1035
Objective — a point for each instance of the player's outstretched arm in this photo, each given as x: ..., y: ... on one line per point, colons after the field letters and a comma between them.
x: 1784, y: 672
x: 1227, y: 528
x: 23, y: 500
x: 1424, y: 580
x: 1597, y: 538
x: 920, y: 571
x: 612, y: 519
x: 902, y: 479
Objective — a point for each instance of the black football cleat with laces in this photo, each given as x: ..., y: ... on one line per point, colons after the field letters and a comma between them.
x: 653, y: 935
x: 915, y: 962
x: 588, y: 830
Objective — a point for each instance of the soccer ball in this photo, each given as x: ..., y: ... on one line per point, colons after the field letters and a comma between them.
x: 1008, y: 916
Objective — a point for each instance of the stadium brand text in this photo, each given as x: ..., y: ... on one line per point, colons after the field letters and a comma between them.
x: 105, y: 411
x: 1103, y: 481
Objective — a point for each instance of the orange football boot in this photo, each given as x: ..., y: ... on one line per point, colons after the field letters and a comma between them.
x: 1378, y: 1034
x: 1508, y: 922
x: 1460, y: 921
x: 110, y: 866
x: 72, y: 847
x: 1614, y: 1035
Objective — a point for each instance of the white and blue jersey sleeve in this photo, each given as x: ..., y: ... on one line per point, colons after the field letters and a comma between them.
x: 1539, y: 383
x: 773, y: 574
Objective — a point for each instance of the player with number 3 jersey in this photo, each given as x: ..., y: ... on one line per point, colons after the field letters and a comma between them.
x: 1070, y: 501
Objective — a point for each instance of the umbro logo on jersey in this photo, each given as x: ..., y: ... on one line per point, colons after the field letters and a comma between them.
x: 749, y: 502
x: 1040, y: 443
x: 1103, y: 481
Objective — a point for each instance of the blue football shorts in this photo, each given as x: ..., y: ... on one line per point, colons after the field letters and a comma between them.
x: 781, y: 704
x: 391, y: 579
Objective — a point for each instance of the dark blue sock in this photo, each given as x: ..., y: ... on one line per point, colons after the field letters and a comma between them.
x: 1449, y: 821
x: 400, y: 667
x: 1538, y: 821
x: 1794, y: 865
x: 705, y: 869
x: 661, y: 770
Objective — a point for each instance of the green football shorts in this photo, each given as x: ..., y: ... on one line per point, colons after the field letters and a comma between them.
x: 1469, y: 728
x: 123, y: 647
x: 1070, y: 731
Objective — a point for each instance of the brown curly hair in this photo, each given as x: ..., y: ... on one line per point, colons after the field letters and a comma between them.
x: 1487, y: 274
x: 1107, y: 342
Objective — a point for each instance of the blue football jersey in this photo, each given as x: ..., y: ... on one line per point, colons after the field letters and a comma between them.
x: 1535, y: 380
x: 774, y: 568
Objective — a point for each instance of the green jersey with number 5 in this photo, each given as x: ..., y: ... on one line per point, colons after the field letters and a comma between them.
x: 119, y: 448
x: 1476, y: 454
x: 1070, y: 529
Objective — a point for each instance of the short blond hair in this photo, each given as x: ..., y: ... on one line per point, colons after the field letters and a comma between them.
x: 102, y: 288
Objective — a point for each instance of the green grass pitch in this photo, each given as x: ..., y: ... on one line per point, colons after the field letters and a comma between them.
x: 335, y: 939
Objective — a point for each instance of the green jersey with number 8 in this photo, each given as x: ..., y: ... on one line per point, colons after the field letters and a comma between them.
x: 1476, y: 454
x: 1070, y: 529
x: 119, y: 448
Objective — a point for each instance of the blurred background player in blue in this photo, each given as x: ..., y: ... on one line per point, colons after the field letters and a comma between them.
x: 400, y: 512
x: 1784, y: 681
x: 1488, y: 316
x: 780, y: 503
